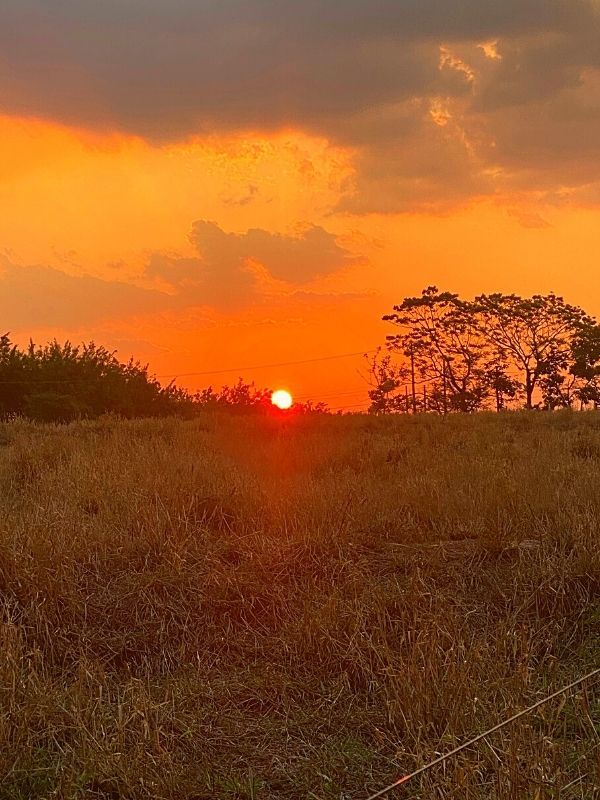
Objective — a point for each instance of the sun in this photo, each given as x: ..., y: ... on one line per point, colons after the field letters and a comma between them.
x: 282, y: 399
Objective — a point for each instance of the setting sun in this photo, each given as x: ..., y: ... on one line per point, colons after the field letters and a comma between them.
x: 281, y: 399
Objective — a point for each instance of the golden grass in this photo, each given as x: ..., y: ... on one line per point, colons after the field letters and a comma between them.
x: 251, y: 608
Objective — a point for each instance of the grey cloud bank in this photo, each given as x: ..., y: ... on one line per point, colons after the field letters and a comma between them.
x: 364, y: 73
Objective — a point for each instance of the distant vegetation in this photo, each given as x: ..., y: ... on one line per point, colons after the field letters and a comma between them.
x: 63, y: 382
x: 231, y: 609
x: 496, y: 351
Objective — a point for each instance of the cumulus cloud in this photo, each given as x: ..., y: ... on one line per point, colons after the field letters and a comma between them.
x: 517, y: 82
x: 232, y: 267
x: 229, y: 270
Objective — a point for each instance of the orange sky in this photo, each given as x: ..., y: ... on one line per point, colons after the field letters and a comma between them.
x: 228, y: 237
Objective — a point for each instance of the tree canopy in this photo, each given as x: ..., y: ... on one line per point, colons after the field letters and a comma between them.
x: 61, y: 382
x: 494, y: 351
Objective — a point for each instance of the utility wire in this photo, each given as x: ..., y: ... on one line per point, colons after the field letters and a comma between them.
x: 483, y: 735
x: 329, y: 395
x: 266, y: 366
x: 189, y: 374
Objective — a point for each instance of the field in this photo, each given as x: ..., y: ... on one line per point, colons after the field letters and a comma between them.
x: 258, y: 608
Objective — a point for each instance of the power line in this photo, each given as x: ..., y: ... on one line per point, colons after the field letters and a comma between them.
x: 329, y: 395
x: 483, y: 735
x: 17, y: 381
x: 266, y: 366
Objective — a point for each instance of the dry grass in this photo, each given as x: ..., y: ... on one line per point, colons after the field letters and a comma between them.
x: 238, y: 608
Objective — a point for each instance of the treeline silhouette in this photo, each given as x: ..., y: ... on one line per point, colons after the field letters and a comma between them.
x: 495, y: 351
x: 63, y: 382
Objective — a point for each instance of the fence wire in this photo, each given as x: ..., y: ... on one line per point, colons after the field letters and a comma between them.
x: 539, y: 753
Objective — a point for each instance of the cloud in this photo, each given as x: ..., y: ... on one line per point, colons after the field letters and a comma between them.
x: 517, y: 82
x: 169, y: 68
x: 230, y: 270
x: 243, y: 198
x: 38, y: 296
x: 233, y: 267
x: 529, y: 219
x: 432, y: 165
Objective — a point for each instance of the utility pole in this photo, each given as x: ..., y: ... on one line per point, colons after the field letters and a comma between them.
x: 445, y: 396
x: 412, y: 381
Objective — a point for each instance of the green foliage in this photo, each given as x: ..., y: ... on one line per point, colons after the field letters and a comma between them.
x: 62, y: 382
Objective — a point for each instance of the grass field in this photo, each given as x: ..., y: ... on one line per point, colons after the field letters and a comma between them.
x: 257, y: 608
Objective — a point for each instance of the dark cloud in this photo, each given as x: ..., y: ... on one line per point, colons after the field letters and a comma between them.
x: 348, y: 69
x: 312, y: 252
x: 232, y: 268
x: 549, y: 144
x: 168, y: 67
x: 431, y: 165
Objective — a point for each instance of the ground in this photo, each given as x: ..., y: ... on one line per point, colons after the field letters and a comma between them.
x: 244, y: 607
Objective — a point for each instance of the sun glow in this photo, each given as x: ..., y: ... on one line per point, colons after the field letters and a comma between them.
x: 281, y: 399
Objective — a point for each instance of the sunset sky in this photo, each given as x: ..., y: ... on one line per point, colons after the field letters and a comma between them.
x: 210, y: 184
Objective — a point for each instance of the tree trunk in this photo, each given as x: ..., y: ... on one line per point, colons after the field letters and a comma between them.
x: 528, y: 390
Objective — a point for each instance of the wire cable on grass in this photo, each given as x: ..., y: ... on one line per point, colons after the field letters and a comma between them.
x: 446, y: 756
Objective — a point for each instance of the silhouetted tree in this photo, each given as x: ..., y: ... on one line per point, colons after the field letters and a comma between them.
x: 60, y: 382
x: 502, y: 386
x: 440, y: 337
x: 242, y: 397
x: 13, y: 381
x: 389, y: 383
x: 247, y: 398
x: 496, y: 348
x: 536, y: 335
x: 585, y: 366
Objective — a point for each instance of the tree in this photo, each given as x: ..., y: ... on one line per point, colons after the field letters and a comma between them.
x: 585, y: 366
x: 535, y: 334
x: 442, y: 342
x: 246, y: 398
x: 502, y: 387
x: 242, y: 397
x: 388, y: 382
x: 13, y: 383
x: 60, y: 382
